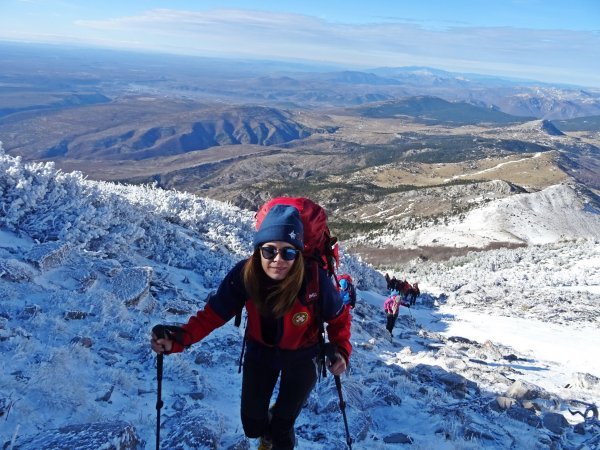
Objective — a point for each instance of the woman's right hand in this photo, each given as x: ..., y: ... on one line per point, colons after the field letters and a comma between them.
x: 337, y: 364
x: 160, y: 346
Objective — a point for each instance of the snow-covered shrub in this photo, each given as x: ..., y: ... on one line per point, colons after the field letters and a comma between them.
x: 175, y: 228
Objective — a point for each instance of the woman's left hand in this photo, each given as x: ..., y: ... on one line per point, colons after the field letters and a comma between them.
x: 339, y: 366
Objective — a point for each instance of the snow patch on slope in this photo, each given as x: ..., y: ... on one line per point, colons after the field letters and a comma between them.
x: 551, y: 215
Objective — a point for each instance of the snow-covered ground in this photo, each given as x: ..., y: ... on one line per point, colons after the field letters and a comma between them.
x: 500, y: 346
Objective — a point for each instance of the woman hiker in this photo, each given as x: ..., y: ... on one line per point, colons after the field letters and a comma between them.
x: 282, y: 331
x: 392, y: 308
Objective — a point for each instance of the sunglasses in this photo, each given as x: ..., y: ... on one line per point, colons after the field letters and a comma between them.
x: 287, y: 253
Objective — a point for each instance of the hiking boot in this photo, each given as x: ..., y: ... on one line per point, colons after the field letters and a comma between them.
x: 265, y: 443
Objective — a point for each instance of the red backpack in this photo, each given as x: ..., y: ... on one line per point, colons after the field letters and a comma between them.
x: 346, y: 277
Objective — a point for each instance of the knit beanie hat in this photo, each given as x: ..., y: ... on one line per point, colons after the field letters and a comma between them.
x: 282, y: 223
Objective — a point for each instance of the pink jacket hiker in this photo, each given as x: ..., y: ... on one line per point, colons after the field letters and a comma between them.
x: 392, y: 304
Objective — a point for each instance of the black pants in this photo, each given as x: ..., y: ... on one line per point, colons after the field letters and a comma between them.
x: 391, y: 321
x: 261, y: 371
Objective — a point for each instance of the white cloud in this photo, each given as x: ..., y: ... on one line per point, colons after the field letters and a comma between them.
x: 516, y: 51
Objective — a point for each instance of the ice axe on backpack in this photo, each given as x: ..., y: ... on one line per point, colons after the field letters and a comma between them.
x: 331, y: 355
x: 162, y: 332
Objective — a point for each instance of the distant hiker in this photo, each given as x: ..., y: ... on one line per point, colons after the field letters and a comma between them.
x: 391, y: 306
x: 388, y: 281
x: 347, y: 290
x: 392, y: 284
x: 413, y: 293
x: 275, y: 284
x: 403, y: 289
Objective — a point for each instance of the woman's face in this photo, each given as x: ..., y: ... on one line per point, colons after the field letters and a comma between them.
x: 277, y: 258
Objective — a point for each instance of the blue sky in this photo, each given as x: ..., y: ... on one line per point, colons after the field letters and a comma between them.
x: 550, y: 40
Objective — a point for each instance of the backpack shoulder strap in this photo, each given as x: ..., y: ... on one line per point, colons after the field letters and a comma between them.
x: 312, y: 297
x: 238, y: 319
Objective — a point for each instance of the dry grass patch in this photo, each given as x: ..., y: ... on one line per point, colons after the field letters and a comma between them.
x: 392, y: 256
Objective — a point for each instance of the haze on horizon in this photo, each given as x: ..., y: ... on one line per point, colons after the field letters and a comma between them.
x: 551, y: 41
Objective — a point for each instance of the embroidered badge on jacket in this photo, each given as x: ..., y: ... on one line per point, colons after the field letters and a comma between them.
x: 300, y: 318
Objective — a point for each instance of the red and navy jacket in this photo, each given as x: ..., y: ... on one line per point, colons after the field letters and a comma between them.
x: 298, y: 329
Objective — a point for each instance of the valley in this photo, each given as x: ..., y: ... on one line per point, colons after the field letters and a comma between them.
x: 384, y: 157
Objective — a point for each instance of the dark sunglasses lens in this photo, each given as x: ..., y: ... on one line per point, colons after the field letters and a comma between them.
x: 268, y: 252
x: 289, y: 254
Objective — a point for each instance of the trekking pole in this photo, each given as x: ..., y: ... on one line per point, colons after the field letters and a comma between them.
x: 412, y: 318
x: 162, y: 332
x: 338, y: 385
x: 159, y: 402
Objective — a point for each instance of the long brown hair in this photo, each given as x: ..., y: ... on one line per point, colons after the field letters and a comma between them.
x: 272, y: 298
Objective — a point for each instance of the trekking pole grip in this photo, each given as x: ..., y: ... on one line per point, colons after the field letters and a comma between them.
x: 330, y: 352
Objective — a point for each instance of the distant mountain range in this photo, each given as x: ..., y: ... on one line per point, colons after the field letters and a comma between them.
x: 31, y: 77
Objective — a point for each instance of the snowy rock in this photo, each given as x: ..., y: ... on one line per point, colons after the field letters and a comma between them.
x: 110, y: 355
x: 476, y: 431
x: 106, y: 396
x: 585, y: 380
x: 521, y: 390
x: 397, y: 438
x: 92, y: 436
x: 75, y: 315
x: 492, y: 350
x: 555, y: 422
x: 179, y: 404
x: 108, y: 267
x: 83, y: 341
x: 504, y: 403
x: 205, y: 357
x: 386, y: 394
x: 532, y: 406
x: 7, y: 332
x: 191, y: 435
x: 196, y: 395
x: 462, y: 340
x: 29, y: 312
x: 15, y: 270
x: 455, y: 384
x: 131, y: 284
x: 48, y: 255
x: 524, y: 415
